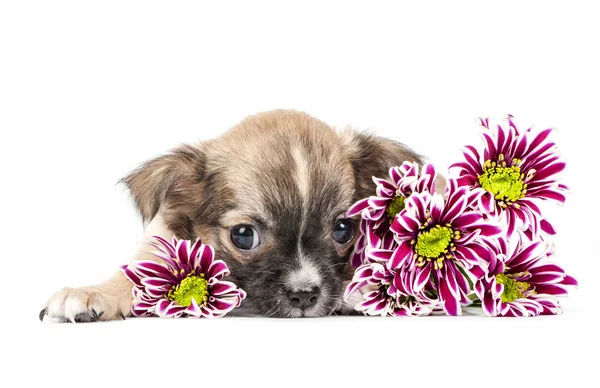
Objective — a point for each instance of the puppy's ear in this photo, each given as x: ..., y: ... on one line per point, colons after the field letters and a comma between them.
x: 165, y: 179
x: 372, y: 155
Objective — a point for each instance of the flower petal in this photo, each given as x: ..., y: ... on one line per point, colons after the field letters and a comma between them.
x: 221, y: 304
x: 404, y: 224
x: 466, y: 220
x: 156, y: 283
x: 357, y: 208
x: 547, y: 227
x: 152, y: 269
x: 423, y: 277
x: 222, y: 288
x: 400, y: 255
x: 206, y: 254
x: 451, y: 305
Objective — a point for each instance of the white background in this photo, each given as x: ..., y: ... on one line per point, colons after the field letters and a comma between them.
x: 89, y: 90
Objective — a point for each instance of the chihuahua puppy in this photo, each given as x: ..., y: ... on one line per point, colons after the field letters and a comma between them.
x: 270, y: 195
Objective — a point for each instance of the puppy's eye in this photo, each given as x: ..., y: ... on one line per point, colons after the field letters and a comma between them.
x: 244, y: 237
x: 343, y: 231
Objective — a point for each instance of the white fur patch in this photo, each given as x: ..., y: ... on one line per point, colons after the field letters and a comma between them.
x: 73, y: 307
x: 56, y: 307
x: 302, y: 172
x: 158, y: 227
x: 305, y: 278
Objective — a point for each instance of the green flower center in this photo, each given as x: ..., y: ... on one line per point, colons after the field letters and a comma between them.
x: 513, y: 289
x: 434, y: 243
x: 395, y: 207
x: 506, y: 183
x: 404, y: 299
x: 192, y: 286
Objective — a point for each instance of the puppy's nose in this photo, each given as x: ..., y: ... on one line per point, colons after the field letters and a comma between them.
x: 304, y: 299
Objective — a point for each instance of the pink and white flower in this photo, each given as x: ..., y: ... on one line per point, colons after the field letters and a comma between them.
x: 388, y: 293
x: 440, y: 239
x: 188, y: 282
x: 517, y: 169
x: 520, y: 280
x: 378, y: 211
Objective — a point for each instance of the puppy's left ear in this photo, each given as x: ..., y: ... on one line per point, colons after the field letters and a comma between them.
x: 164, y: 182
x: 372, y: 155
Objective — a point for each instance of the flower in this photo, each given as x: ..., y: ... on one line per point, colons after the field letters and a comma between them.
x: 378, y: 212
x: 187, y: 283
x: 520, y: 281
x: 516, y: 170
x: 388, y: 293
x: 440, y: 239
x: 419, y: 252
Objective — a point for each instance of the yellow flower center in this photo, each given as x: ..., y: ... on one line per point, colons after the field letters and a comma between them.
x: 395, y: 207
x: 192, y: 286
x: 435, y: 244
x: 506, y: 183
x: 513, y: 289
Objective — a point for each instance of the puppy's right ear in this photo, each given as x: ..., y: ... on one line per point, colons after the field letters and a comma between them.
x: 372, y: 155
x: 164, y: 179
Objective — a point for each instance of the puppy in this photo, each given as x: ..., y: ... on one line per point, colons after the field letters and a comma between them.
x: 270, y: 195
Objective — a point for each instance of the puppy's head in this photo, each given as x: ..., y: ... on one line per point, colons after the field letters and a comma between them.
x: 270, y: 196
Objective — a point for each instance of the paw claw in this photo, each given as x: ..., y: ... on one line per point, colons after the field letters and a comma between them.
x: 81, y: 317
x: 121, y: 315
x: 42, y: 314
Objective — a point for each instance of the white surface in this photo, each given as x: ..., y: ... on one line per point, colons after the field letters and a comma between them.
x: 88, y: 91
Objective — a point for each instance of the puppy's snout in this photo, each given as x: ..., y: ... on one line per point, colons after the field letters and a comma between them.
x: 304, y: 299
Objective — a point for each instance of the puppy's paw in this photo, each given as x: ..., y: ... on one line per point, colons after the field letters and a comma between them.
x: 80, y: 305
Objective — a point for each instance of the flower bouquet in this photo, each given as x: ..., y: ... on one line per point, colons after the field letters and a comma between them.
x: 483, y: 243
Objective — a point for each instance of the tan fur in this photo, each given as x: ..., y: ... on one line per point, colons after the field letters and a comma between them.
x: 255, y: 143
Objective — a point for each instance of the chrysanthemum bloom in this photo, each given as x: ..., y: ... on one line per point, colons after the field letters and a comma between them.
x: 187, y: 283
x: 520, y: 281
x: 378, y: 211
x: 388, y: 293
x: 516, y: 169
x: 441, y: 240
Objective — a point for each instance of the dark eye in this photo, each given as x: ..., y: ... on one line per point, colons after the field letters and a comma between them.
x: 244, y: 237
x: 343, y: 231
